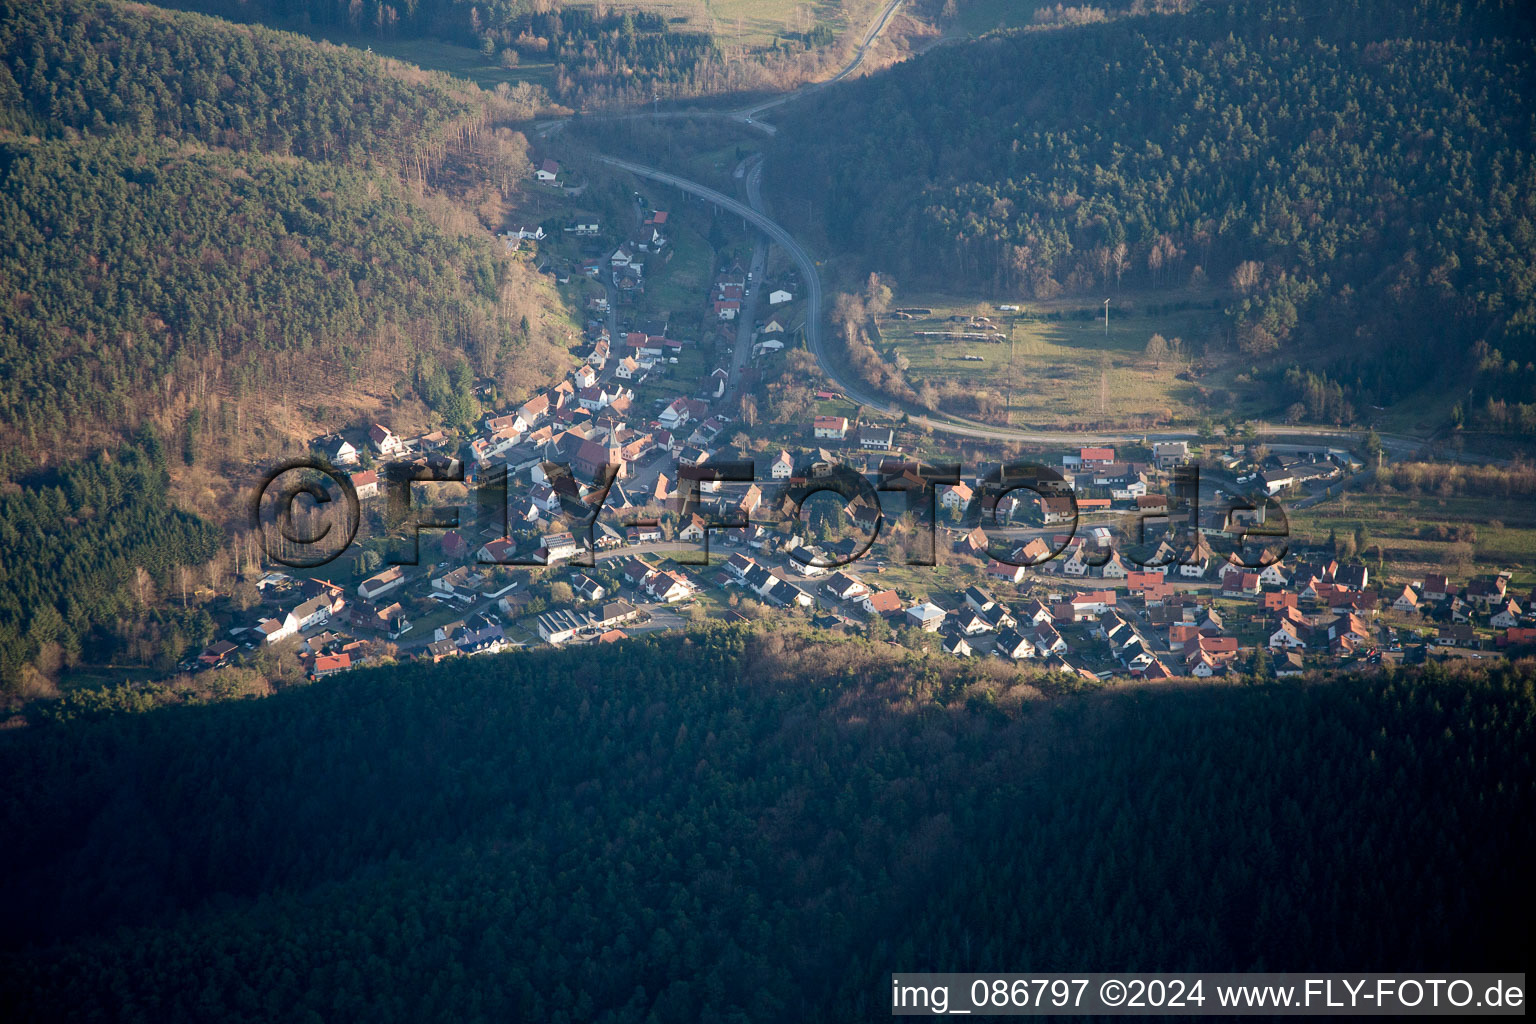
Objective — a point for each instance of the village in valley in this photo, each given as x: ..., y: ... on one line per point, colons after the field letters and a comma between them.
x: 635, y: 496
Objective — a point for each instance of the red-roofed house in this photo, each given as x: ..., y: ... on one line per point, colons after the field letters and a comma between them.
x: 831, y: 427
x: 330, y: 664
x: 1090, y: 458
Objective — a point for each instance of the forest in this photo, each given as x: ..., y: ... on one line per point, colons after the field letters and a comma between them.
x: 1358, y: 179
x: 310, y: 243
x: 601, y: 53
x: 86, y: 553
x: 741, y: 825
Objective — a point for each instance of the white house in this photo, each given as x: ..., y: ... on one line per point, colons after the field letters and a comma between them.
x: 273, y: 630
x: 674, y: 415
x: 559, y: 625
x: 1015, y: 645
x: 1273, y: 575
x: 668, y: 587
x: 1508, y: 615
x: 779, y: 296
x: 1285, y: 636
x: 694, y: 531
x: 588, y: 589
x: 382, y: 583
x: 313, y: 612
x: 384, y: 440
x: 366, y: 483
x: 557, y: 546
x: 925, y: 616
x: 548, y: 171
x: 957, y: 497
x: 957, y: 646
x: 833, y: 428
x: 341, y: 452
x: 1095, y: 602
x: 1006, y: 571
x: 1170, y: 453
x: 881, y: 602
x: 1278, y: 480
x: 845, y: 587
x: 782, y: 467
x: 521, y: 233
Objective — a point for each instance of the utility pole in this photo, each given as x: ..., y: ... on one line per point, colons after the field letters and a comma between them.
x: 1011, y: 370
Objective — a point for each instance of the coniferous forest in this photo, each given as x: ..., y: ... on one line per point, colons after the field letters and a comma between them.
x: 734, y: 825
x: 1360, y: 176
x: 599, y: 51
x: 83, y: 552
x: 189, y: 208
x: 201, y: 221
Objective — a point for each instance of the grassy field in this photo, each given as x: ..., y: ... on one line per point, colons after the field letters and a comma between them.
x: 1407, y: 528
x: 979, y: 16
x: 757, y: 23
x: 1059, y: 368
x: 436, y: 55
x: 681, y: 283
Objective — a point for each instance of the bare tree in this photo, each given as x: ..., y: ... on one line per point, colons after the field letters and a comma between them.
x: 1246, y: 277
x: 143, y: 586
x: 877, y: 295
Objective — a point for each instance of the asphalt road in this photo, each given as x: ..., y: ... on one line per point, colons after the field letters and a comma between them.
x: 816, y: 342
x: 1397, y: 446
x: 748, y: 115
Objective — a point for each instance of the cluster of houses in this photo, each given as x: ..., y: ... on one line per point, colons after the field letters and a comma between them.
x: 1081, y: 609
x: 627, y: 262
x: 348, y: 449
x: 336, y: 631
x: 480, y: 633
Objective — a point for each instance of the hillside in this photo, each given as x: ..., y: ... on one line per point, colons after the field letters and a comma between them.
x: 591, y: 53
x: 747, y: 826
x: 205, y: 223
x: 1358, y: 181
x: 83, y: 552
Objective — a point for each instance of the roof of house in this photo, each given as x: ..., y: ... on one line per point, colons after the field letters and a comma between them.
x: 926, y: 611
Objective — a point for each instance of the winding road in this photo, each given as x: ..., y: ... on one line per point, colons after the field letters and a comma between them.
x: 747, y: 115
x: 1397, y: 446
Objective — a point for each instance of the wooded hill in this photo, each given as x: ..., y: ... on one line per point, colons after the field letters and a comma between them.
x: 1360, y: 175
x: 203, y: 219
x: 740, y: 825
x: 84, y: 552
x: 595, y: 55
x: 600, y: 53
